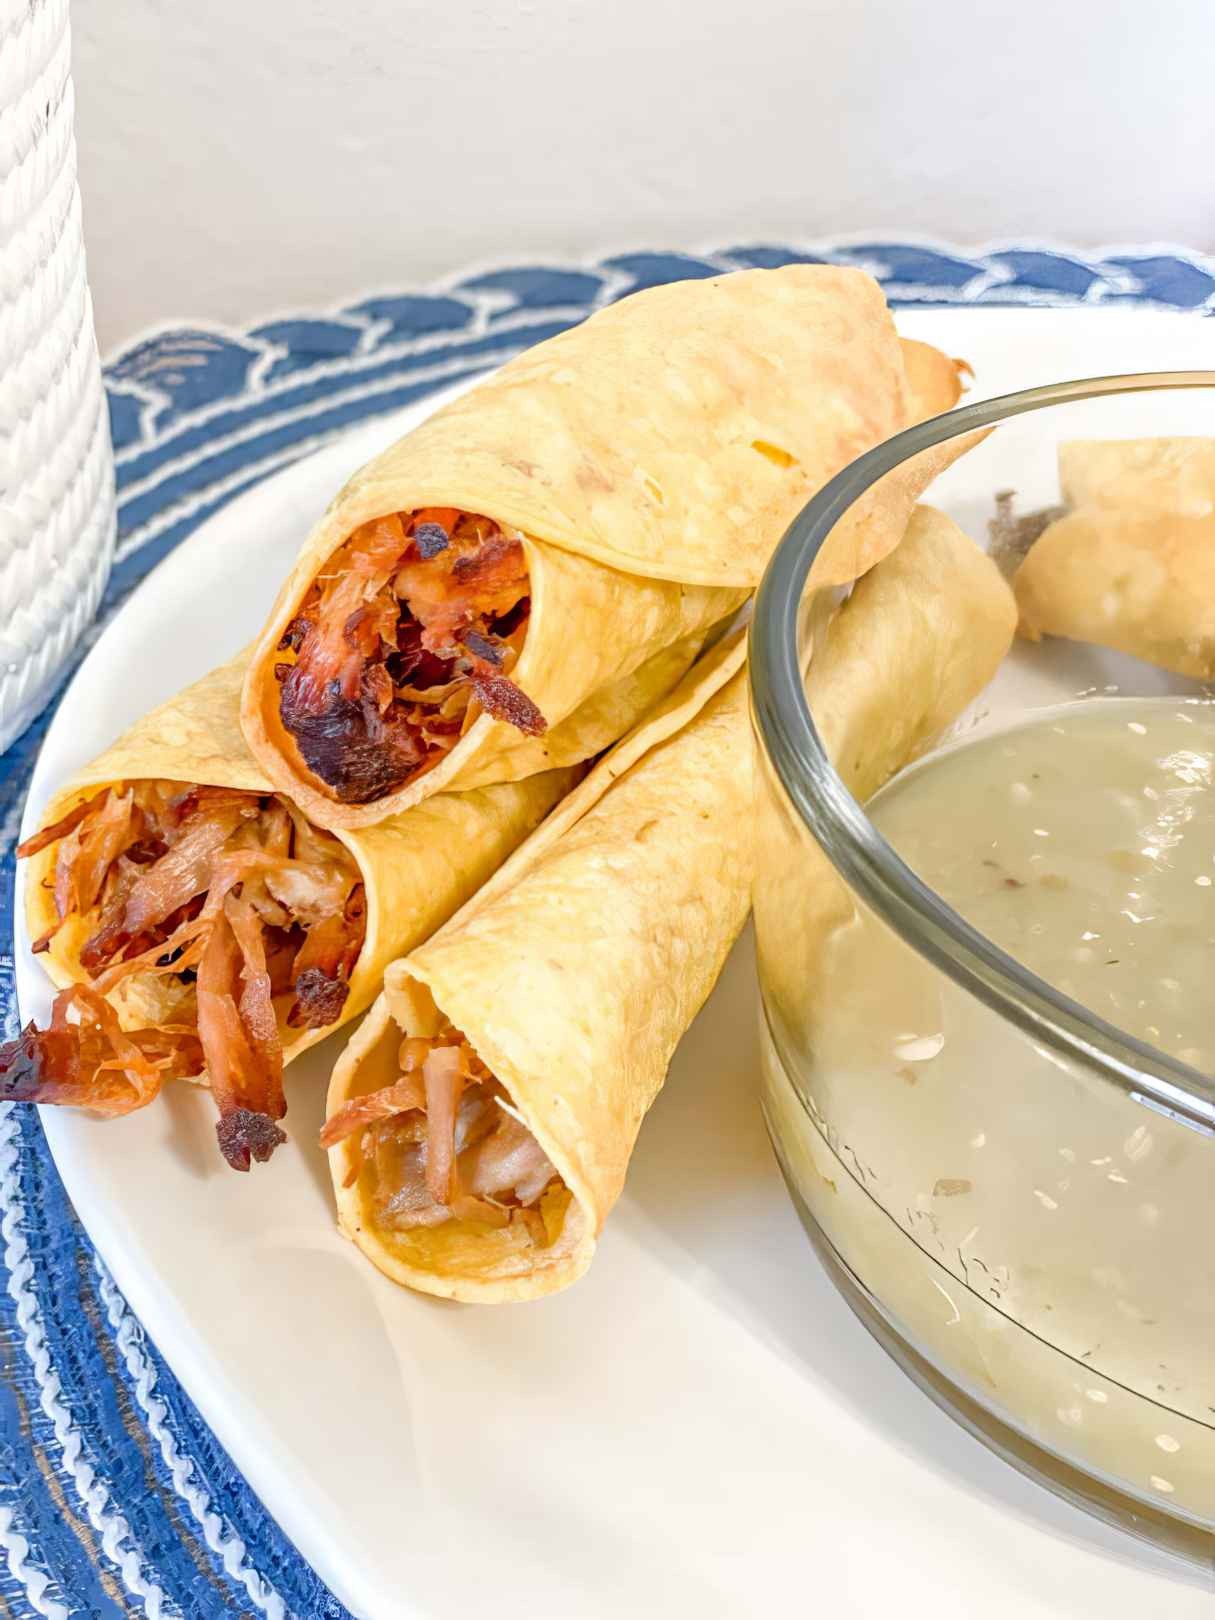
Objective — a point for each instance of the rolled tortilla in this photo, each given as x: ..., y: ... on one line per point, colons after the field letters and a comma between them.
x: 1131, y: 564
x: 574, y: 973
x: 415, y: 869
x: 916, y: 641
x: 588, y: 977
x: 609, y: 494
x: 914, y: 644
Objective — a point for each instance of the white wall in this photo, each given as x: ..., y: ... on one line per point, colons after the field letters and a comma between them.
x: 243, y: 156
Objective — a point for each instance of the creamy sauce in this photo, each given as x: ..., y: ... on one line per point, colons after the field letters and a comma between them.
x: 1083, y: 843
x: 1034, y: 1231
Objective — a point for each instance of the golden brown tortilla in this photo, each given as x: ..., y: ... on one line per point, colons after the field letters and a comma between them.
x: 574, y: 976
x: 577, y: 969
x: 934, y: 381
x: 417, y: 867
x: 1132, y: 564
x: 649, y: 460
x: 914, y: 643
x: 918, y: 639
x: 1143, y: 475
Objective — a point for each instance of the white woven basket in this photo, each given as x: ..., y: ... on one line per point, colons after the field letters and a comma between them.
x: 56, y: 465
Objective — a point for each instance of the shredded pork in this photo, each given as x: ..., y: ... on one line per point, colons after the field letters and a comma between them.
x: 84, y: 1059
x: 225, y: 916
x: 410, y: 633
x: 443, y: 1143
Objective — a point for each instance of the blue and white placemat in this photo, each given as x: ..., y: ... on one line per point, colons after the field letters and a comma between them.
x: 115, y: 1498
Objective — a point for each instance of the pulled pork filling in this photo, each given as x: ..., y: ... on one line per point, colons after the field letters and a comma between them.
x: 221, y: 916
x: 408, y: 635
x: 444, y: 1144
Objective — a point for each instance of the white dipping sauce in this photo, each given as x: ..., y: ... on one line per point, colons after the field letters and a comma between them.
x: 1040, y: 1236
x: 1083, y: 844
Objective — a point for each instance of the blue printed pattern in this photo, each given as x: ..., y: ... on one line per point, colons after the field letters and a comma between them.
x: 115, y: 1498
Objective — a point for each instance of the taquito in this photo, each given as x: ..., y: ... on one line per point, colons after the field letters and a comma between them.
x: 516, y: 582
x: 1131, y: 562
x: 482, y: 1118
x: 202, y: 928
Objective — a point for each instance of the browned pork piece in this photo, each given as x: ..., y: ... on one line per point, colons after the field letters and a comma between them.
x: 409, y: 634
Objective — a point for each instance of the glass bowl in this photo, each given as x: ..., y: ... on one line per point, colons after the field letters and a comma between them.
x: 1064, y: 1308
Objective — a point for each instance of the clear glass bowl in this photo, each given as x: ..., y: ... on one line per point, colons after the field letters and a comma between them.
x: 1075, y: 1334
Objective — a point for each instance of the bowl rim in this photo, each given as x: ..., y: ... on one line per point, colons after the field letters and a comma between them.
x: 1063, y: 1030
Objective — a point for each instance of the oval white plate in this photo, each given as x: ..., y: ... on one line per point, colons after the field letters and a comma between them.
x: 699, y: 1428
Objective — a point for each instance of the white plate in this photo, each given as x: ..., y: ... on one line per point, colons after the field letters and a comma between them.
x: 700, y: 1428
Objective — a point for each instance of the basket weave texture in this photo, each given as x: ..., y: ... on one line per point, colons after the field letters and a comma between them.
x: 56, y: 464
